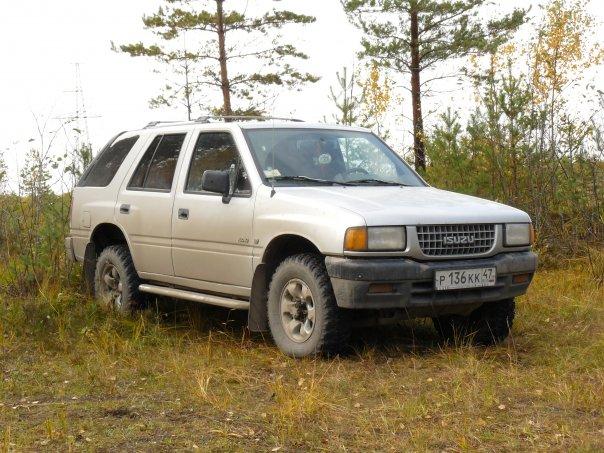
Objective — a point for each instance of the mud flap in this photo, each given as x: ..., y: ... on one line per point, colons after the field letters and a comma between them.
x: 257, y: 320
x: 89, y: 267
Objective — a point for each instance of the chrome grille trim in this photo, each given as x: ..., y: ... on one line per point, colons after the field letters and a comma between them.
x: 433, y: 243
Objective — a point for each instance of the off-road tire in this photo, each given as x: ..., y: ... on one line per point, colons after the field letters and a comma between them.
x: 119, y: 257
x: 331, y: 330
x: 487, y: 325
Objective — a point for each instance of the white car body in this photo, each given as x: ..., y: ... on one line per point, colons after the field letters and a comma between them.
x: 219, y: 247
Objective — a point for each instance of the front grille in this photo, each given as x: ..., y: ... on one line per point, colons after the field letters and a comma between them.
x: 453, y: 240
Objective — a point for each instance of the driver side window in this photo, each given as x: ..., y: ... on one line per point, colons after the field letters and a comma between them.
x: 359, y: 153
x: 217, y: 151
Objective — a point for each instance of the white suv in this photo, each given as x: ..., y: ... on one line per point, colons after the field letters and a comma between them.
x: 307, y: 226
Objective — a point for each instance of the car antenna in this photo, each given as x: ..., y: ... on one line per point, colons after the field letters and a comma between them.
x: 272, y: 178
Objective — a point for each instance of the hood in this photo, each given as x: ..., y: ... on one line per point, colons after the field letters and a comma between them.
x: 384, y: 205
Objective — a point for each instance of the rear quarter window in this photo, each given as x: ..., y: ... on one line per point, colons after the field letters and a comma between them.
x: 105, y: 166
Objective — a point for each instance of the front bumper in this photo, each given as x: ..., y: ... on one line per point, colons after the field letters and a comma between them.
x: 413, y: 282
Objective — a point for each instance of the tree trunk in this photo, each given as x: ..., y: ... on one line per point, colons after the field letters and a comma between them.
x: 419, y: 148
x: 224, y: 77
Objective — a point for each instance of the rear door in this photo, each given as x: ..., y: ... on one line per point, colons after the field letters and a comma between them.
x: 211, y: 240
x: 144, y: 203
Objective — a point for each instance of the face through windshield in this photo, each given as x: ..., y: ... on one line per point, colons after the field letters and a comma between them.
x: 318, y: 156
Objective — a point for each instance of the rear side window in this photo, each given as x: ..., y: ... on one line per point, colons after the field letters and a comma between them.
x: 155, y: 171
x: 105, y: 166
x: 216, y: 151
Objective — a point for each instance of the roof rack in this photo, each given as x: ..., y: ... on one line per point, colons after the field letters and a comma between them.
x: 207, y: 119
x: 210, y: 118
x: 157, y: 123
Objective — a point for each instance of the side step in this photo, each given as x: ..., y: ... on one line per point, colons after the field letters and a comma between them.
x: 195, y: 297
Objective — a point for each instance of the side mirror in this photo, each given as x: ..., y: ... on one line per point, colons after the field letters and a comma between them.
x: 217, y: 182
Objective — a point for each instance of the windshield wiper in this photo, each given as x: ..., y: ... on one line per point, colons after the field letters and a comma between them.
x: 308, y: 179
x: 377, y: 181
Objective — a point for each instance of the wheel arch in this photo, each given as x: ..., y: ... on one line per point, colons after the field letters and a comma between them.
x: 279, y: 248
x: 103, y: 235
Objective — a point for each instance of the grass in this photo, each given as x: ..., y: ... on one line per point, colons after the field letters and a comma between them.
x: 188, y: 377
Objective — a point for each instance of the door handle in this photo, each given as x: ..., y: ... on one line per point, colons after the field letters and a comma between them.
x: 125, y: 209
x: 183, y: 213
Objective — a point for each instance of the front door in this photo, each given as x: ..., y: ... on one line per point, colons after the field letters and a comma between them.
x: 144, y: 206
x: 211, y: 240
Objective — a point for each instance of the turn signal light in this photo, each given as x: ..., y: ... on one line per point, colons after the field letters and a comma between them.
x: 356, y: 239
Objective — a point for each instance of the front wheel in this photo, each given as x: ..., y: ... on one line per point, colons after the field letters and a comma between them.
x: 489, y: 324
x: 304, y: 318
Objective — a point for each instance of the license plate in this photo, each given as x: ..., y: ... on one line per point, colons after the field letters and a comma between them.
x: 465, y: 278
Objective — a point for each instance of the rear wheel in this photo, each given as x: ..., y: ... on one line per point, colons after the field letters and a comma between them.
x: 304, y: 318
x: 116, y: 281
x: 487, y: 325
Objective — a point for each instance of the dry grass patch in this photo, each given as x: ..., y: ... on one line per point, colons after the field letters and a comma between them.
x: 185, y: 377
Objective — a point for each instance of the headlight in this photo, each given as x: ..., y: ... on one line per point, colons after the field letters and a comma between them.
x: 518, y: 234
x: 362, y: 239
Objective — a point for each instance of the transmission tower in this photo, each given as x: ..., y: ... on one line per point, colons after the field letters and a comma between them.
x: 78, y: 119
x: 75, y: 126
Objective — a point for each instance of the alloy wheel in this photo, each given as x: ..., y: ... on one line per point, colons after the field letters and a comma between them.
x: 297, y: 310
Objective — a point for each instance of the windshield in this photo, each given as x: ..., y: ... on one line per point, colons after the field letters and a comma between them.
x: 321, y: 156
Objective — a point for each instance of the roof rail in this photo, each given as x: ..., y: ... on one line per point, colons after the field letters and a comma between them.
x: 208, y: 119
x: 157, y: 123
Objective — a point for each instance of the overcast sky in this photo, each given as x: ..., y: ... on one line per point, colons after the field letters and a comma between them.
x: 40, y: 40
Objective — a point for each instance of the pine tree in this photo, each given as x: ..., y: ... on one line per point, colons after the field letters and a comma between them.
x: 345, y: 99
x: 413, y: 36
x: 226, y: 42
